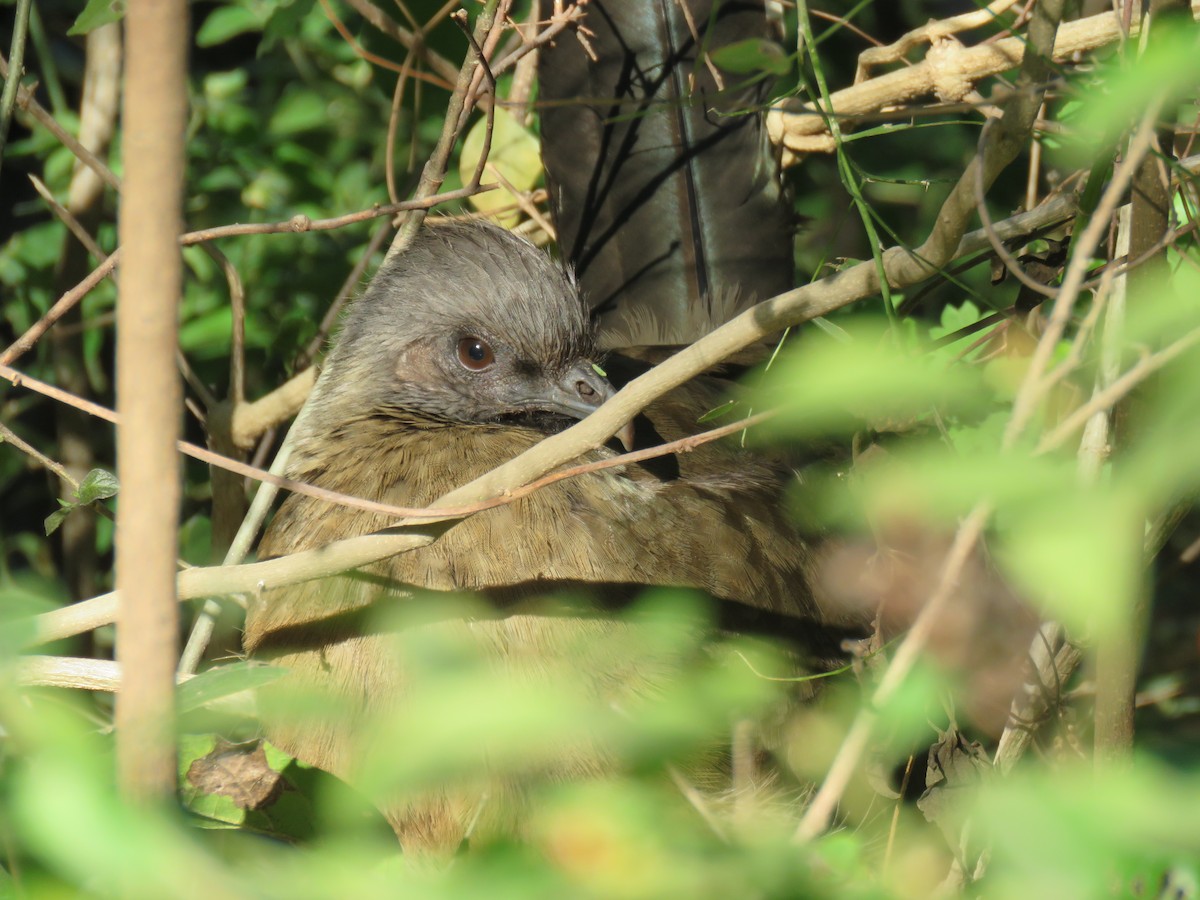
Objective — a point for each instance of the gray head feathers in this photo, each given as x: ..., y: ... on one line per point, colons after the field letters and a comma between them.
x: 461, y: 288
x: 474, y: 275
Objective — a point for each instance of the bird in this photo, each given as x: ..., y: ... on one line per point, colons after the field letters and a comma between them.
x: 466, y: 349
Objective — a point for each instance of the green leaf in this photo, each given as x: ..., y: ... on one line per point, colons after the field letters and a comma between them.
x: 224, y: 681
x: 97, y: 485
x: 514, y: 154
x: 825, y: 386
x: 207, y: 336
x: 1167, y: 70
x: 97, y: 13
x: 1078, y: 553
x: 286, y: 20
x: 227, y: 22
x: 224, y: 85
x: 1076, y: 832
x: 752, y: 56
x: 219, y: 809
x: 55, y: 519
x: 955, y: 318
x: 717, y: 412
x: 299, y: 111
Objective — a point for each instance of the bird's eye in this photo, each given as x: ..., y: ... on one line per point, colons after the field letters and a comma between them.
x: 475, y: 354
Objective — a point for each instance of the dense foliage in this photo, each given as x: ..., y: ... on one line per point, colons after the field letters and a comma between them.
x: 955, y: 421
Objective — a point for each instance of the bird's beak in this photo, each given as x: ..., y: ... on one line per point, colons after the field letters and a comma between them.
x: 579, y: 393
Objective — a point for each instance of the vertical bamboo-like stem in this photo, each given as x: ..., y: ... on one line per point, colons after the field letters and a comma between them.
x: 1118, y: 655
x: 148, y: 393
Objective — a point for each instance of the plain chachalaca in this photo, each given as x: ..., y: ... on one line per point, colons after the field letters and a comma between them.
x: 471, y: 345
x: 464, y: 351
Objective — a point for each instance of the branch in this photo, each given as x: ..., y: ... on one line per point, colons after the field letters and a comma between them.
x: 70, y: 672
x: 793, y: 308
x: 949, y: 70
x: 1033, y: 385
x: 559, y: 20
x: 8, y: 98
x: 457, y: 110
x: 27, y: 102
x: 930, y: 33
x: 147, y: 334
x: 8, y: 436
x: 1052, y: 660
x: 415, y: 43
x: 1112, y: 394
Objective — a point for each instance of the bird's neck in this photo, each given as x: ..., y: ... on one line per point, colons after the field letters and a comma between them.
x: 405, y: 459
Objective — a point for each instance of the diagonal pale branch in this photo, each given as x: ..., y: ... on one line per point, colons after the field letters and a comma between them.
x: 1033, y: 386
x: 792, y: 308
x: 1117, y: 390
x: 250, y: 420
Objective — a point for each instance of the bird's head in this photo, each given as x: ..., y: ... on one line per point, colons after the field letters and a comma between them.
x: 469, y: 325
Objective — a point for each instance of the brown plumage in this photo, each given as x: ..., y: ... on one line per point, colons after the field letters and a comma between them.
x: 401, y: 415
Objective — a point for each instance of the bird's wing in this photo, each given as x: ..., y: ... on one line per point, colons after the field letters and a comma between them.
x: 665, y: 193
x: 711, y: 520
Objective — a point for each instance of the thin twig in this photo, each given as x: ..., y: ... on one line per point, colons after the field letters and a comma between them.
x: 237, y: 337
x: 1116, y: 391
x: 558, y: 22
x: 820, y: 810
x: 428, y: 513
x: 389, y: 142
x: 8, y: 436
x: 236, y: 295
x: 413, y: 41
x: 435, y: 168
x: 16, y: 53
x: 233, y: 579
x: 524, y: 203
x: 370, y: 57
x: 349, y: 285
x: 68, y: 218
x: 27, y: 102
